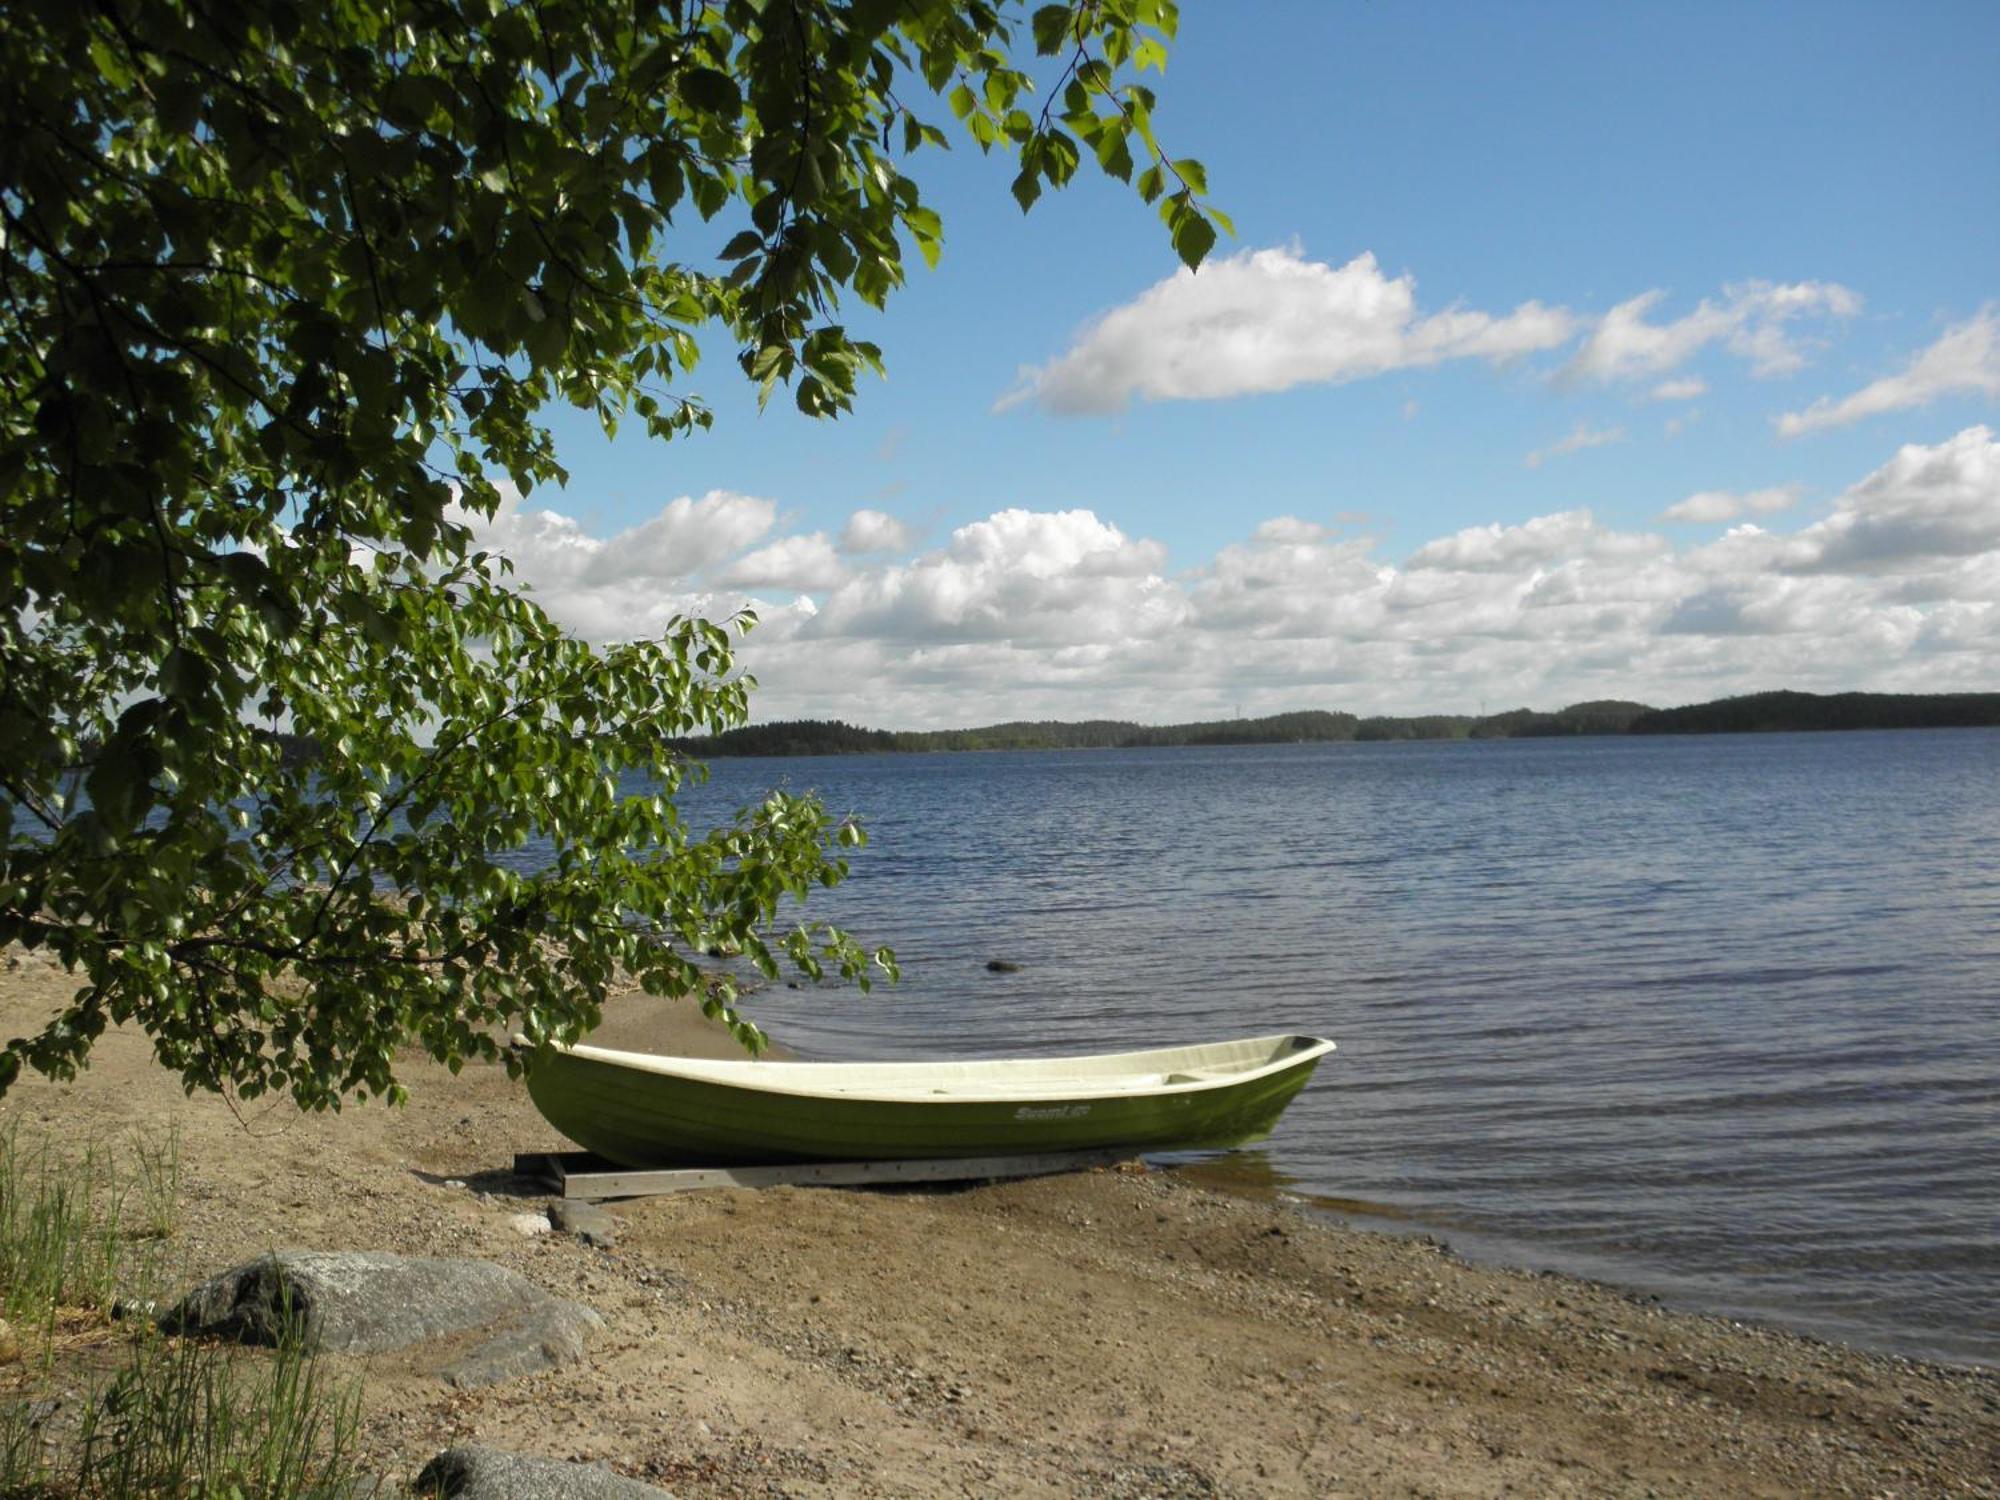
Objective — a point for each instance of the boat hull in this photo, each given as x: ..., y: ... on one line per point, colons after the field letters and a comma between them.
x: 638, y: 1117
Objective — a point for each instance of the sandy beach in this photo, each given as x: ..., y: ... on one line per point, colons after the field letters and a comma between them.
x: 1118, y: 1332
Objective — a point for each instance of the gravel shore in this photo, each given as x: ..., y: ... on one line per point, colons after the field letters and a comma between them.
x: 1114, y: 1333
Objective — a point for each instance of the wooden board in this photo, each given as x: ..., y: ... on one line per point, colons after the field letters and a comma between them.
x: 578, y: 1174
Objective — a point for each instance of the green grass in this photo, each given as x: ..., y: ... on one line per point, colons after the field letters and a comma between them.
x: 97, y: 1408
x: 62, y: 1244
x: 185, y: 1418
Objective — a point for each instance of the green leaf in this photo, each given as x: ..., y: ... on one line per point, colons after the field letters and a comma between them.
x: 1193, y: 238
x: 1114, y: 156
x: 1051, y: 27
x: 717, y: 93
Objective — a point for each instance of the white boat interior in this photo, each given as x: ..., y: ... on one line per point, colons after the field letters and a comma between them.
x: 1162, y: 1069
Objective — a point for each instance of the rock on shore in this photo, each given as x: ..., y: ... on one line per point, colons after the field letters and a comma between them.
x: 476, y: 1472
x: 361, y: 1302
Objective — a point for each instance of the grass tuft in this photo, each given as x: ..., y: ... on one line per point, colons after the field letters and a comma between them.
x: 165, y: 1417
x: 158, y: 1185
x: 60, y: 1239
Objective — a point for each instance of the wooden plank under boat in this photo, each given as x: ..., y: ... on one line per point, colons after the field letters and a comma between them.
x: 640, y: 1110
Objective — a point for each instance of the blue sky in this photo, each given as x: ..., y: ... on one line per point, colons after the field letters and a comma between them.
x: 1741, y: 260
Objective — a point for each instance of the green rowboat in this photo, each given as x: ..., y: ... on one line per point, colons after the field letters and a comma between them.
x: 642, y: 1111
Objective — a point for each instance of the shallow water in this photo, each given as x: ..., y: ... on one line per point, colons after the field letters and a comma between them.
x: 1716, y: 1018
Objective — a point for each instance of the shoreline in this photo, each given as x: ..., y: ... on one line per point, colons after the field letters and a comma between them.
x: 1518, y: 1257
x: 1522, y: 1257
x: 1103, y: 1333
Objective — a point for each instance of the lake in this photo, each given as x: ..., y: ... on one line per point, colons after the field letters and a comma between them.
x: 1713, y: 1018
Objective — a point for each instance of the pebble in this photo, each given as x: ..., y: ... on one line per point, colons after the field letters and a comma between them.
x: 529, y: 1225
x: 588, y: 1222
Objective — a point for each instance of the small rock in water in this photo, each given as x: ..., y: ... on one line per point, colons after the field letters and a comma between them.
x: 1002, y: 966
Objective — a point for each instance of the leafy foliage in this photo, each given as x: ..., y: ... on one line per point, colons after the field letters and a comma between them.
x: 285, y: 288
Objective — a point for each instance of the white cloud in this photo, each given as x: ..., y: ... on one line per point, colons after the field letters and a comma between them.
x: 1041, y: 613
x: 1061, y: 578
x: 1289, y: 530
x: 1581, y: 436
x: 1926, y: 506
x: 1965, y: 361
x: 684, y: 538
x: 633, y: 582
x: 1684, y: 389
x: 1267, y: 320
x: 1750, y: 321
x: 797, y: 563
x: 875, y: 531
x: 1725, y: 505
x: 1570, y: 535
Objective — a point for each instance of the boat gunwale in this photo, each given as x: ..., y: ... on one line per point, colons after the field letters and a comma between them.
x: 759, y: 1075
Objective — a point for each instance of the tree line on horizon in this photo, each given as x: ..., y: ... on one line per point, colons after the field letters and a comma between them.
x: 1772, y: 712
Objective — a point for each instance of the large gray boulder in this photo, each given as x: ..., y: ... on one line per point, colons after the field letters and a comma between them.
x: 476, y: 1472
x: 497, y: 1324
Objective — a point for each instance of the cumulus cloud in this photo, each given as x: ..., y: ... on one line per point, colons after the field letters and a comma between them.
x: 1751, y: 321
x: 1567, y: 536
x: 1965, y: 361
x: 1032, y: 578
x: 795, y: 562
x: 1063, y: 613
x: 1267, y: 320
x: 875, y: 531
x: 1725, y: 505
x: 1289, y: 529
x: 684, y: 538
x: 1684, y: 389
x: 1581, y: 436
x: 1926, y: 506
x: 633, y: 582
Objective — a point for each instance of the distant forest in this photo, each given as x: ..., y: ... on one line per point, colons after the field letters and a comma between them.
x: 1754, y: 713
